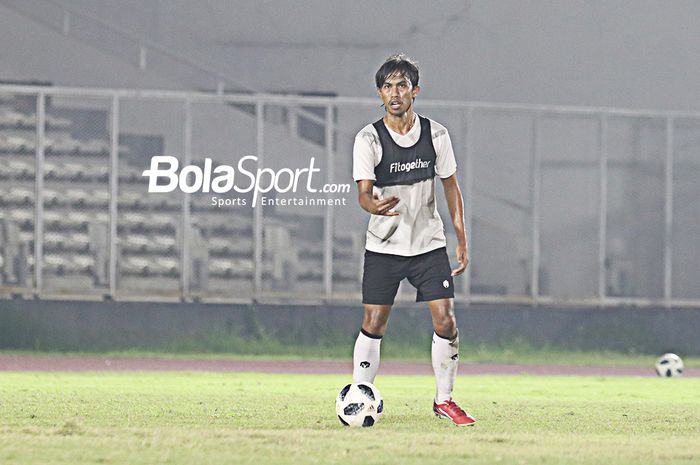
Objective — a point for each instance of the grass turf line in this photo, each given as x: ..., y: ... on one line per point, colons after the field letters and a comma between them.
x: 242, y: 418
x: 236, y: 347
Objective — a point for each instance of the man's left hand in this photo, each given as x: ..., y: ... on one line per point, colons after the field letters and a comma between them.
x: 462, y: 259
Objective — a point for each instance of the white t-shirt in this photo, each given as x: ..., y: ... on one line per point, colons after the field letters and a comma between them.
x: 418, y: 228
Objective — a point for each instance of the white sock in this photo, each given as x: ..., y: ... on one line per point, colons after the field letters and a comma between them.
x: 365, y: 358
x: 445, y: 355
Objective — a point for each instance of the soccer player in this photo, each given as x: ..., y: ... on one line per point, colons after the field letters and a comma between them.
x: 395, y: 161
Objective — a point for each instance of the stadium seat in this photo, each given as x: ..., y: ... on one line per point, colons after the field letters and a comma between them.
x: 56, y: 122
x: 135, y: 243
x: 57, y: 264
x: 94, y: 147
x: 26, y: 237
x: 148, y: 244
x: 98, y: 198
x: 16, y: 145
x: 142, y: 222
x: 226, y: 226
x: 51, y: 198
x: 55, y: 219
x: 220, y: 267
x: 76, y: 197
x: 52, y: 171
x: 165, y: 241
x: 5, y: 171
x: 162, y: 221
x: 73, y: 171
x: 20, y: 196
x: 138, y: 266
x: 129, y: 200
x: 66, y: 241
x: 230, y: 247
x: 79, y: 218
x: 99, y: 173
x: 21, y: 170
x: 57, y: 145
x: 83, y: 264
x: 133, y: 220
x: 129, y: 175
x: 168, y: 266
x: 14, y: 119
x: 20, y: 216
x: 166, y: 201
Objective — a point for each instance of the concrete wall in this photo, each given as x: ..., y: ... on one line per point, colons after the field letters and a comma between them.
x: 64, y: 325
x: 33, y: 52
x: 629, y: 53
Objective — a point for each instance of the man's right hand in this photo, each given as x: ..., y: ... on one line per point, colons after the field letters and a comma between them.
x: 371, y: 202
x: 384, y: 206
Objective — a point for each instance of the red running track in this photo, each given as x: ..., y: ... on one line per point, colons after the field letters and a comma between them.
x: 54, y: 363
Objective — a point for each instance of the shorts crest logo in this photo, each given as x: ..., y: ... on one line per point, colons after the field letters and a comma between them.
x: 364, y: 364
x: 445, y: 284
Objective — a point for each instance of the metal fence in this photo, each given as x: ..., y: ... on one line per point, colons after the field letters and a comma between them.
x: 593, y: 206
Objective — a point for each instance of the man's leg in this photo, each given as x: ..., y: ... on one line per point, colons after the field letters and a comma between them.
x: 445, y: 348
x: 445, y: 357
x: 367, y: 346
x: 381, y: 276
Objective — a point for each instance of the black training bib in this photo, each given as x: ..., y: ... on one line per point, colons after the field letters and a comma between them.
x: 405, y: 165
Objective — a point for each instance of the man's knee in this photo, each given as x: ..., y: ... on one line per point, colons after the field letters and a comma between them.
x: 444, y: 321
x: 446, y: 327
x: 375, y: 320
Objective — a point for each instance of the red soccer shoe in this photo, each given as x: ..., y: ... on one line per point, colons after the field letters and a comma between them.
x: 450, y: 410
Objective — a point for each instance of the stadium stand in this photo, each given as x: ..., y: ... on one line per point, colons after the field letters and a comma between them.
x: 76, y: 198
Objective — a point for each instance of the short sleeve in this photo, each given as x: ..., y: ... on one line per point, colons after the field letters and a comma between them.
x: 364, y: 157
x: 445, y: 165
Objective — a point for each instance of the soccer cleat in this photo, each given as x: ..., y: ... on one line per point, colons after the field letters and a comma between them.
x: 451, y: 411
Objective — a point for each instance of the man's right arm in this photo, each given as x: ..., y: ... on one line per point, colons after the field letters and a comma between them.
x: 363, y: 154
x: 371, y: 202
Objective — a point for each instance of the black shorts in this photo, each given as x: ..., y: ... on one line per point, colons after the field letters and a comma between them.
x: 429, y: 273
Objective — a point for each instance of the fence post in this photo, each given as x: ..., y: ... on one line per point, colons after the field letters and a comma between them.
x: 257, y: 209
x: 39, y: 192
x: 668, y: 213
x: 535, y: 199
x: 602, y: 207
x: 328, y: 221
x: 113, y: 195
x: 469, y: 190
x: 186, y: 208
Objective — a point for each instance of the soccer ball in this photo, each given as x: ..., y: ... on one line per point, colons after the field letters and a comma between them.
x: 359, y: 404
x: 669, y: 365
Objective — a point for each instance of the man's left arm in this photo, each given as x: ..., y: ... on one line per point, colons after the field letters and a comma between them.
x: 455, y: 204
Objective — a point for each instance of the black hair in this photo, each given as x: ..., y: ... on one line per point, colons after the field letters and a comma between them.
x: 400, y: 65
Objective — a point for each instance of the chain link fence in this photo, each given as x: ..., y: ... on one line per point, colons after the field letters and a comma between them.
x: 595, y: 206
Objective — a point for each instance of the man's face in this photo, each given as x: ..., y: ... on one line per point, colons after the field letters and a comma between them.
x: 398, y: 93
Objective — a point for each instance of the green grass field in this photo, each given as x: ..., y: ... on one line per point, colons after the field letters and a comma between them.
x: 199, y: 418
x: 416, y: 350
